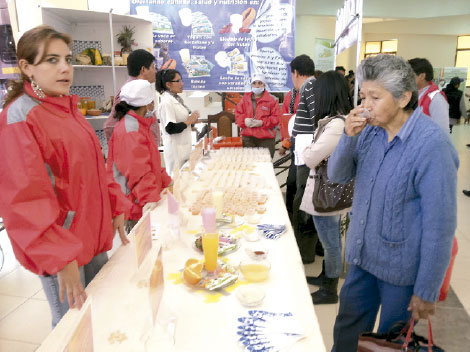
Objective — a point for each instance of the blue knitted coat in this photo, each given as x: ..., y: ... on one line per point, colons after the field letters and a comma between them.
x: 404, y: 210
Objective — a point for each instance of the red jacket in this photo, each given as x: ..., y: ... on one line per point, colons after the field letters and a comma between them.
x: 267, y: 110
x: 425, y: 100
x: 134, y: 162
x: 286, y: 103
x: 55, y: 200
x: 111, y: 121
x: 285, y: 138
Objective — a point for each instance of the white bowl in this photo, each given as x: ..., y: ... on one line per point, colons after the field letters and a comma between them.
x: 257, y: 252
x: 250, y: 296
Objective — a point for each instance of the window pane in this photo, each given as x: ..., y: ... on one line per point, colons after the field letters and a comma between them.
x: 463, y: 42
x: 463, y: 60
x: 389, y: 46
x: 372, y: 47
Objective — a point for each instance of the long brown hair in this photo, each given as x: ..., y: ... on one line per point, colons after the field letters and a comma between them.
x: 28, y: 49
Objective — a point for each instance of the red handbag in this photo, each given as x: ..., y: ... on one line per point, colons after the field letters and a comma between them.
x: 395, y: 340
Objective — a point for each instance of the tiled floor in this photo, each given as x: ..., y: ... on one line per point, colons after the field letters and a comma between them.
x: 25, y: 318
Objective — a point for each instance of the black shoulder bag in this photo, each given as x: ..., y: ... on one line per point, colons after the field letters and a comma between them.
x: 329, y: 196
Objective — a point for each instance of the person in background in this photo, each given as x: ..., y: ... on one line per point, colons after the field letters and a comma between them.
x: 432, y: 100
x: 176, y: 119
x: 304, y: 126
x: 318, y: 73
x: 350, y: 78
x: 140, y: 65
x: 341, y: 70
x: 404, y: 207
x: 331, y: 99
x: 134, y: 160
x: 59, y: 209
x: 456, y: 100
x: 258, y: 114
x: 302, y: 68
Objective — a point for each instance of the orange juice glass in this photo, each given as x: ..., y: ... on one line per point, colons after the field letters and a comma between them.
x: 210, y: 245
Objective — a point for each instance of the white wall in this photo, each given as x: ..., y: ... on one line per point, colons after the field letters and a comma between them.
x: 434, y: 38
x: 310, y: 27
x: 438, y: 49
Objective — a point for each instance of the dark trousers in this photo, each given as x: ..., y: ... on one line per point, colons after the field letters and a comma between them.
x: 291, y: 186
x: 250, y: 141
x: 302, y: 222
x: 361, y: 296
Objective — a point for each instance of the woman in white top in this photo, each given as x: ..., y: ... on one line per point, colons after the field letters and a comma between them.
x: 176, y: 119
x: 331, y: 99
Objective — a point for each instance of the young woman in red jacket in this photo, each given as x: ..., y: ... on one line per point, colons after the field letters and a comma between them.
x: 57, y: 205
x: 133, y: 159
x: 258, y: 114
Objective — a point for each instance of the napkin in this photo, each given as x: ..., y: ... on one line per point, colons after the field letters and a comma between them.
x: 264, y: 331
x: 271, y: 231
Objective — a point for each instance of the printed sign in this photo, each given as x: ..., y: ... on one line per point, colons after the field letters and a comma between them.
x: 218, y: 45
x: 143, y: 239
x: 156, y: 286
x: 442, y: 76
x: 324, y: 54
x: 82, y: 337
x: 347, y: 24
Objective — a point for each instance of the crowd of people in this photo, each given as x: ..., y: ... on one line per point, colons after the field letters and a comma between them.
x: 61, y: 204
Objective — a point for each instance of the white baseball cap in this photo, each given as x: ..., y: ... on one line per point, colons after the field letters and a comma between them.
x: 137, y: 93
x: 258, y: 77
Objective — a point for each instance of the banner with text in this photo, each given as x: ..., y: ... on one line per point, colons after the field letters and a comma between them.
x: 217, y: 45
x: 347, y: 24
x: 324, y: 54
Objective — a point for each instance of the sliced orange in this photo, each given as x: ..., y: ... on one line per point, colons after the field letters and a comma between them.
x: 190, y: 262
x: 192, y: 273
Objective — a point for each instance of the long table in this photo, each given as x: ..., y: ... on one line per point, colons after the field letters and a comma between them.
x: 203, y: 321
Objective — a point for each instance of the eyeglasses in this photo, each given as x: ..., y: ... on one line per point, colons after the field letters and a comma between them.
x: 180, y: 80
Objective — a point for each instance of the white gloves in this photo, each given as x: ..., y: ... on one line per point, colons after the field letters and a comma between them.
x: 250, y: 122
x: 149, y: 206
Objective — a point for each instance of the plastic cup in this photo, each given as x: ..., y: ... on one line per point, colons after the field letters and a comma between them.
x: 236, y: 20
x: 186, y: 16
x: 218, y: 200
x: 210, y: 246
x: 142, y: 11
x: 208, y: 220
x: 185, y: 55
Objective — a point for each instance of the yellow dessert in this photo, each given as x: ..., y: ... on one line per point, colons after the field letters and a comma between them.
x: 254, y: 272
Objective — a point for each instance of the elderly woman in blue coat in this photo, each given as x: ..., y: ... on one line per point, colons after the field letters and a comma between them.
x: 403, y: 217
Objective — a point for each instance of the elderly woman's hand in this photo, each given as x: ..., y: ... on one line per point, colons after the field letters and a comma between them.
x: 421, y: 309
x: 355, y: 123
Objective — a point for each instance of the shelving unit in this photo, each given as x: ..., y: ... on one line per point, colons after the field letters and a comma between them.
x: 97, y: 30
x: 99, y: 27
x: 98, y: 67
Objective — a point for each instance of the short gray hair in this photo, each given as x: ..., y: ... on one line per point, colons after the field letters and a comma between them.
x: 393, y: 73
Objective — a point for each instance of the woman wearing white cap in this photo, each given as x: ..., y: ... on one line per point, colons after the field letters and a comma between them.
x: 258, y: 114
x: 133, y: 158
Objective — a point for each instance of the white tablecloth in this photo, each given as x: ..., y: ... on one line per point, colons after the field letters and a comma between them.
x: 120, y: 301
